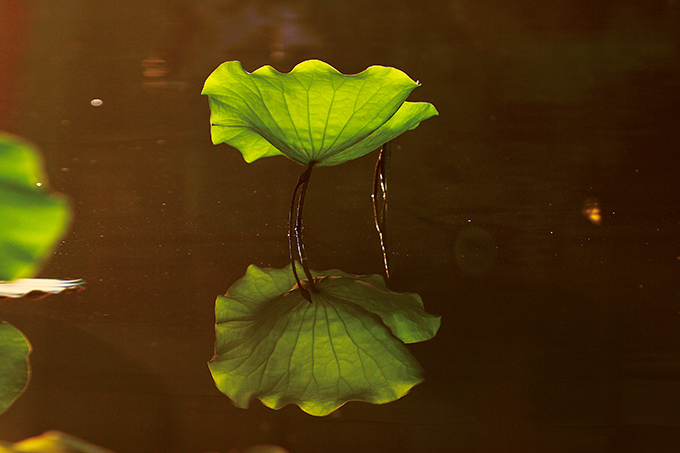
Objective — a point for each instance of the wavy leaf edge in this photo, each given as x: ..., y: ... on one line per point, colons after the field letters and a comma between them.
x: 257, y: 112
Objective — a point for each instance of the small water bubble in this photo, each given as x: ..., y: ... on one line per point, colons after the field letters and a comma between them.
x: 96, y: 102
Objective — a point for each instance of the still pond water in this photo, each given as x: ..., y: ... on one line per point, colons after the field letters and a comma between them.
x: 560, y: 327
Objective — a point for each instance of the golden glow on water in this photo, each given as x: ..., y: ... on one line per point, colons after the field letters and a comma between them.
x: 591, y: 211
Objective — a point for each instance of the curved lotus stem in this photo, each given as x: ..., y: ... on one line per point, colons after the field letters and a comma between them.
x: 380, y: 191
x: 295, y: 230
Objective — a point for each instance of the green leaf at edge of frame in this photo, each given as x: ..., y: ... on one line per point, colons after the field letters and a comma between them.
x: 33, y: 219
x: 14, y: 352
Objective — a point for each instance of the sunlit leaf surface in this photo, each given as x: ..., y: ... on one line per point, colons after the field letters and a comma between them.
x: 14, y: 369
x: 348, y: 344
x: 32, y: 218
x: 313, y: 113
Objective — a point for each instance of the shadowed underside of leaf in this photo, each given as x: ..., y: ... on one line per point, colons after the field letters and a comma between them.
x: 347, y: 344
x: 14, y: 351
x: 313, y: 113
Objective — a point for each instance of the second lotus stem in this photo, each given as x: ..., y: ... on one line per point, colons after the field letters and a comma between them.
x: 379, y: 197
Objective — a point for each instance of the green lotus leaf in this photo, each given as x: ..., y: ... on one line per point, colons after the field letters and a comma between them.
x: 54, y: 441
x: 347, y: 344
x: 32, y: 218
x: 14, y: 351
x: 311, y: 114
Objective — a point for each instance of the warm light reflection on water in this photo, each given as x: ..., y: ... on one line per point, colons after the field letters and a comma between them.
x: 591, y: 211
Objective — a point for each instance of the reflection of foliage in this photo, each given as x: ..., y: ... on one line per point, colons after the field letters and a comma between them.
x: 311, y: 114
x: 347, y: 344
x: 32, y: 218
x: 32, y: 221
x: 14, y: 350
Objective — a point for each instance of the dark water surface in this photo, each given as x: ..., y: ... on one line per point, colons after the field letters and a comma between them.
x: 560, y: 332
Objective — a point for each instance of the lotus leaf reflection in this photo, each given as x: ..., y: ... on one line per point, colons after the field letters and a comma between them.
x: 347, y: 344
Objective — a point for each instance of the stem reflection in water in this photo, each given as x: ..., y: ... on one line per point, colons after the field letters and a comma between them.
x: 379, y: 198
